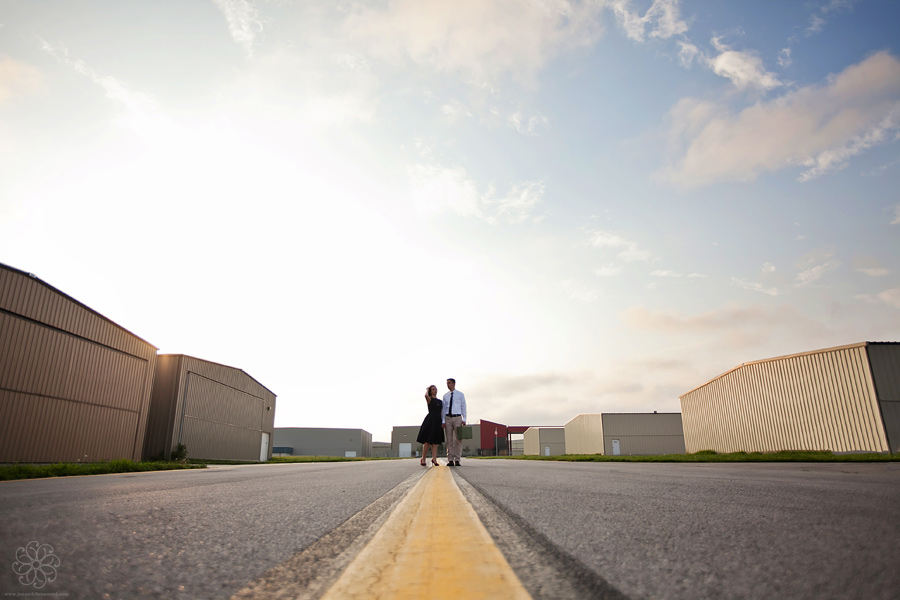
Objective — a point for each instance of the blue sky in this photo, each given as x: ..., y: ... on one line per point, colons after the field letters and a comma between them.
x: 569, y: 207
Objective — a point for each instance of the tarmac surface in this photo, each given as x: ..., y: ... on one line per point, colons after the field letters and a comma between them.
x: 191, y: 534
x: 568, y: 530
x: 711, y: 530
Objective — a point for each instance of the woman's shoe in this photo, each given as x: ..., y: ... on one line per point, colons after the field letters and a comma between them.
x: 435, y: 463
x: 422, y: 462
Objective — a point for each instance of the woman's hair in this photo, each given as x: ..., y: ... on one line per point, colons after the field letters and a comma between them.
x: 428, y: 395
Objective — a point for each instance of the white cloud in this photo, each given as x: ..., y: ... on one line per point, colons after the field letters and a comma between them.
x: 675, y: 274
x: 768, y: 268
x: 663, y: 18
x: 578, y: 290
x: 784, y: 58
x: 881, y: 168
x: 436, y: 189
x: 730, y: 322
x: 528, y: 126
x: 480, y: 39
x: 243, y: 21
x: 754, y: 286
x: 141, y: 114
x: 626, y: 250
x: 687, y: 52
x: 816, y: 24
x: 455, y: 108
x: 518, y: 205
x: 874, y: 271
x: 815, y: 272
x: 744, y: 69
x: 608, y: 270
x: 424, y: 148
x: 835, y: 159
x: 354, y: 62
x: 819, y: 126
x: 891, y: 297
x: 817, y: 21
x: 896, y: 219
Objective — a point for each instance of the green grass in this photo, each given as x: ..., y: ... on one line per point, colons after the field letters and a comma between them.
x: 711, y: 456
x: 28, y: 471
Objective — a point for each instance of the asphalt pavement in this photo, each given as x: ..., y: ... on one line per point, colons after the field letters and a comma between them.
x: 570, y: 530
x: 710, y: 530
x: 182, y: 534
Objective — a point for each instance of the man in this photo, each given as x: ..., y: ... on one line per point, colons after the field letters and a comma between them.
x: 453, y: 416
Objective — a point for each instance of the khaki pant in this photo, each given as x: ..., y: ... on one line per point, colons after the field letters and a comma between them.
x: 454, y: 446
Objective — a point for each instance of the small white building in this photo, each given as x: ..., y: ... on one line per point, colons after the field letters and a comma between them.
x: 545, y: 441
x: 625, y: 434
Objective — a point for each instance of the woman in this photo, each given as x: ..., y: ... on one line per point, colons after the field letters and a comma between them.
x: 431, y: 433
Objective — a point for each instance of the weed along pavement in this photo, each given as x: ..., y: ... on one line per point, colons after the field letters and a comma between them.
x: 517, y: 529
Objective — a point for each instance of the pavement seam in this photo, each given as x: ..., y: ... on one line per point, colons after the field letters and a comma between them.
x: 308, y: 574
x: 546, y: 571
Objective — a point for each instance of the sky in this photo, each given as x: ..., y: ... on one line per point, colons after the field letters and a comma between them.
x: 569, y: 207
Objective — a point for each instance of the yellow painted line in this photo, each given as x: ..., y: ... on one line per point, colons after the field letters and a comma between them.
x: 433, y: 546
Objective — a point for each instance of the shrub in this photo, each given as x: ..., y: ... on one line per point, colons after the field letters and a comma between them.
x: 180, y: 453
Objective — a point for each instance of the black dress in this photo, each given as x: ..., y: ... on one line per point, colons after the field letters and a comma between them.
x: 431, y: 431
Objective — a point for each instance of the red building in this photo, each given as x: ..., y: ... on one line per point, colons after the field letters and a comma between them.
x: 495, y: 437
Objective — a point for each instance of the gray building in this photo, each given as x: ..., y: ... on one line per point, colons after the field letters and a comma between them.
x: 319, y: 441
x: 217, y: 412
x: 74, y: 386
x: 404, y: 444
x: 625, y: 434
x: 381, y: 449
x: 544, y: 441
x: 843, y: 399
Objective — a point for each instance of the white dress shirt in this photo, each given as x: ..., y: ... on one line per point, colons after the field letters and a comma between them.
x: 459, y: 405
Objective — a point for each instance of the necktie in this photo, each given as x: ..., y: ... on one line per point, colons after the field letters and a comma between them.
x: 450, y: 410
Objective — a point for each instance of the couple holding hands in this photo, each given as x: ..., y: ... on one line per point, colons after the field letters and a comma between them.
x: 443, y: 419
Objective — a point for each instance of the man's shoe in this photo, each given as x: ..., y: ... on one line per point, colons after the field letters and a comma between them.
x: 449, y: 463
x: 456, y: 464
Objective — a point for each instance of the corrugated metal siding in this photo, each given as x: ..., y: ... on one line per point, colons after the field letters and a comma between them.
x: 163, y: 401
x: 220, y: 441
x: 584, y: 434
x: 624, y: 424
x: 537, y: 438
x: 555, y: 438
x: 198, y: 399
x: 73, y: 385
x: 643, y: 433
x: 366, y: 444
x: 890, y: 412
x: 532, y: 441
x: 820, y: 400
x: 642, y: 445
x: 214, y: 401
x: 885, y: 363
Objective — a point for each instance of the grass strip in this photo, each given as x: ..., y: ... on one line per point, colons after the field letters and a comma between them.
x: 706, y: 456
x: 29, y: 471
